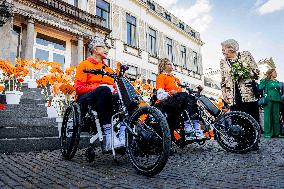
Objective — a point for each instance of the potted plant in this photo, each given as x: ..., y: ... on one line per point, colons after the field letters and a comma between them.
x: 13, y: 77
x: 57, y: 86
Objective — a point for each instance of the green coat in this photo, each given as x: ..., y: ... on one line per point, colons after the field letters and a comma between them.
x: 271, y: 111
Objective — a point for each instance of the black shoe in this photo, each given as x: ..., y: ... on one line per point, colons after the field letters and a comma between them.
x: 172, y: 152
x: 90, y: 154
x: 255, y: 147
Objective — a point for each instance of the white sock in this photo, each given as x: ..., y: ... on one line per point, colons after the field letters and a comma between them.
x: 106, y: 128
x: 197, y: 127
x: 187, y: 127
x: 122, y: 131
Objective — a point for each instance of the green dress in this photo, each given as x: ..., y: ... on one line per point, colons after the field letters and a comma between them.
x: 271, y: 110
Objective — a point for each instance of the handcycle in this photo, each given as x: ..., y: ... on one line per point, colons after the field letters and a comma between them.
x: 147, y: 140
x: 234, y: 131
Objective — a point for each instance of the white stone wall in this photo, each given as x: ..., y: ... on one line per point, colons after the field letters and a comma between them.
x: 146, y: 18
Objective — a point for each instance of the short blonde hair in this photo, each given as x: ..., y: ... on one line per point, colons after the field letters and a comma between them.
x: 162, y: 65
x: 231, y: 44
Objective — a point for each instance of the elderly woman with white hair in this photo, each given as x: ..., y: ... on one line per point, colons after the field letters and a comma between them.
x: 238, y: 74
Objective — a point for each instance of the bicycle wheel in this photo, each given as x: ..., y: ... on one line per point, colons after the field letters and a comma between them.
x: 149, y: 140
x: 70, y: 132
x: 237, y: 132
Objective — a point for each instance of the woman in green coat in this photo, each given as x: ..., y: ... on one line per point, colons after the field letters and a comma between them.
x: 271, y: 87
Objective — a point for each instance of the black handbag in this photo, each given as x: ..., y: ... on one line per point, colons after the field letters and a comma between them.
x: 263, y: 101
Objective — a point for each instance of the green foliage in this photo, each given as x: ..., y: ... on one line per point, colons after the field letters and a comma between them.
x: 238, y: 72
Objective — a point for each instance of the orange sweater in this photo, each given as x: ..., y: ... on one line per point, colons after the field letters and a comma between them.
x: 168, y: 83
x: 85, y: 83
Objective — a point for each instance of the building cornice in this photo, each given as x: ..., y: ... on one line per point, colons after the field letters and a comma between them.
x: 31, y: 10
x: 172, y: 24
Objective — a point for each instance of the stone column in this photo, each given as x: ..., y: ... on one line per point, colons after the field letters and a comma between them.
x: 5, y: 39
x: 29, y: 39
x: 80, y: 50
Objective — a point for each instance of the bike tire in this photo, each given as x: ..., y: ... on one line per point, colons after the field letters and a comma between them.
x: 69, y: 142
x: 160, y: 126
x: 252, y: 128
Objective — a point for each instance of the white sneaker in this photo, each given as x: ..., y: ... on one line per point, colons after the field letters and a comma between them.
x: 107, y: 142
x: 122, y: 134
x: 190, y: 136
x: 117, y: 143
x: 187, y: 127
x: 200, y: 135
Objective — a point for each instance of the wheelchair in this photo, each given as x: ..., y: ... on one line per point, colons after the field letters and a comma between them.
x: 147, y: 135
x: 235, y: 131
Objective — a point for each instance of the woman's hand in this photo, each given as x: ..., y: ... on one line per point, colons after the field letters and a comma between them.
x: 173, y: 92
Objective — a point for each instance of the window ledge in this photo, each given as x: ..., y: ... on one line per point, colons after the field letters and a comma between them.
x: 132, y: 50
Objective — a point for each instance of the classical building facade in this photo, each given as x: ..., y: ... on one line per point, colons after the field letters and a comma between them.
x: 140, y: 32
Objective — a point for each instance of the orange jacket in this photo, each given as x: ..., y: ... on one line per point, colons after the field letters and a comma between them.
x: 168, y: 83
x: 85, y: 83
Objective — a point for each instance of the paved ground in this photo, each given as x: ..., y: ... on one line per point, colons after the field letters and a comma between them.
x: 206, y: 166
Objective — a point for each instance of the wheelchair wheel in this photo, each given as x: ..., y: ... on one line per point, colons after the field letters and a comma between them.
x: 70, y: 132
x: 237, y: 132
x: 148, y: 142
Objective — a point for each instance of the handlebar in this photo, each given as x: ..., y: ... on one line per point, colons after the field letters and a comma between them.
x: 99, y: 72
x: 123, y: 69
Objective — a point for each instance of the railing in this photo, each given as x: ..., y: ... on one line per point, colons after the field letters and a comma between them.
x: 73, y: 12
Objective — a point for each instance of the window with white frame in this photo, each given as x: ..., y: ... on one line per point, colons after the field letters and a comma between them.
x: 183, y: 57
x: 153, y: 78
x: 169, y: 48
x: 132, y: 72
x: 50, y: 49
x: 195, y: 63
x: 152, y: 42
x: 84, y: 5
x: 131, y: 30
x: 74, y: 2
x: 102, y: 10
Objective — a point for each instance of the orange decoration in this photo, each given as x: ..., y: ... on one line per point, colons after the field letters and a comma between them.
x: 2, y: 88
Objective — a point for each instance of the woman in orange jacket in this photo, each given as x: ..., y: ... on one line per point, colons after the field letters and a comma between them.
x: 173, y: 101
x: 96, y: 91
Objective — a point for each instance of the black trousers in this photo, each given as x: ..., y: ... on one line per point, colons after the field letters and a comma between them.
x: 174, y: 105
x: 250, y: 108
x: 100, y: 100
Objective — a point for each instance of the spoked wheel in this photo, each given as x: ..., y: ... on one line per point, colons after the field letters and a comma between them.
x: 70, y: 132
x: 237, y: 132
x: 148, y: 141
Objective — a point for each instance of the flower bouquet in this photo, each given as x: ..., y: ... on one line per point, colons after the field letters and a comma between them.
x: 240, y: 71
x: 13, y: 77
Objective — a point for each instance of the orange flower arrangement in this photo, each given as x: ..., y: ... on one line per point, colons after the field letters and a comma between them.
x: 2, y: 87
x: 57, y: 86
x: 56, y: 70
x: 14, y: 74
x: 67, y: 89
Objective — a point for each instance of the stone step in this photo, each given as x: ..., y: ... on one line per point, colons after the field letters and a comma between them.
x: 25, y: 106
x: 32, y: 94
x: 32, y: 101
x: 28, y: 131
x: 35, y: 144
x: 18, y: 121
x: 24, y: 113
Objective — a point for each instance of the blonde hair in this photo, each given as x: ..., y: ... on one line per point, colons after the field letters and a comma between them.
x: 162, y: 65
x: 269, y: 73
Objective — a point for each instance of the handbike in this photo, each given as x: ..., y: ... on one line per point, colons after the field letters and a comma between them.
x: 147, y: 134
x: 234, y: 131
